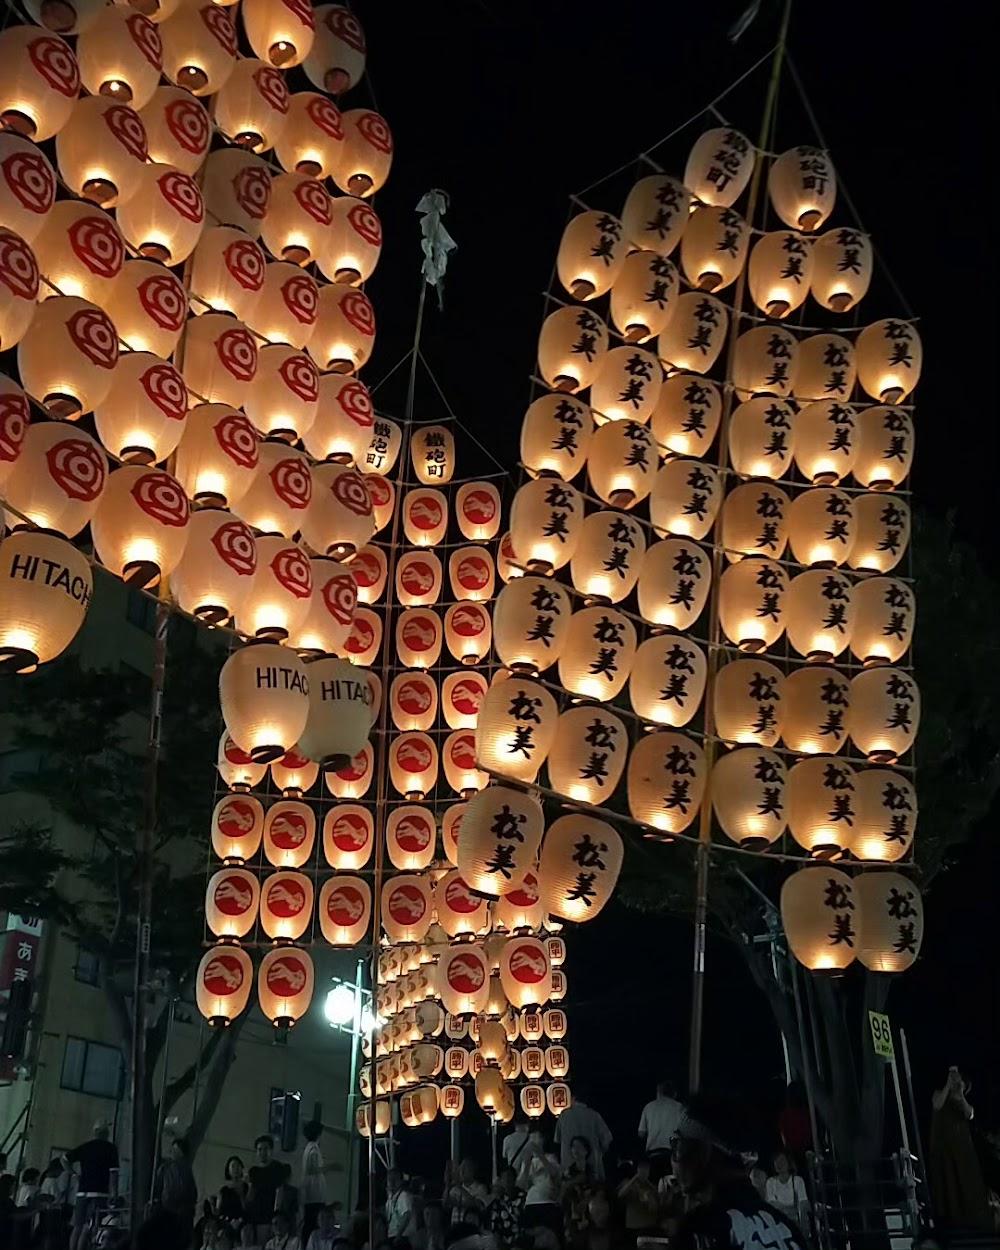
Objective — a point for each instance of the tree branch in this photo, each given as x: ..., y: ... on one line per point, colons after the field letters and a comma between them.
x: 176, y: 1088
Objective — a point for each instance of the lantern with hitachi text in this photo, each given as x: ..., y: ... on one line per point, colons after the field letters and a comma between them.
x: 803, y: 187
x: 571, y: 346
x: 644, y: 296
x: 514, y: 732
x: 231, y: 900
x: 409, y: 837
x: 842, y: 268
x: 501, y: 832
x: 348, y: 835
x: 289, y: 834
x: 140, y: 526
x: 667, y: 681
x: 45, y: 589
x: 546, y: 519
x: 344, y: 908
x: 719, y: 166
x: 815, y: 705
x: 265, y: 699
x: 684, y: 498
x: 339, y: 713
x: 819, y: 913
x: 579, y: 866
x: 285, y: 985
x: 597, y: 658
x: 588, y: 755
x: 781, y: 266
x: 224, y: 981
x: 882, y: 532
x: 67, y: 355
x: 885, y: 442
x: 237, y: 827
x: 286, y: 900
x: 748, y: 794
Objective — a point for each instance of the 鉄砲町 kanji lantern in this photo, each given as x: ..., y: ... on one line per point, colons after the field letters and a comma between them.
x: 719, y: 166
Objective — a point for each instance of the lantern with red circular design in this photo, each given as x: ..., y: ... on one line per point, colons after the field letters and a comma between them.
x: 293, y: 774
x: 225, y: 978
x: 819, y: 913
x: 284, y: 399
x: 348, y: 835
x: 142, y: 418
x: 425, y: 516
x: 14, y: 418
x: 667, y: 681
x: 458, y: 755
x: 413, y: 700
x: 337, y: 60
x: 227, y: 272
x: 418, y: 578
x: 587, y: 755
x: 278, y: 501
x: 140, y: 526
x: 120, y: 55
x: 467, y: 631
x: 263, y: 690
x: 286, y: 900
x: 406, y: 907
x: 340, y: 519
x: 353, y: 243
x: 45, y: 590
x: 67, y: 355
x: 748, y: 794
x: 418, y: 637
x: 761, y: 438
x: 199, y: 46
x: 164, y: 218
x: 409, y: 837
x: 344, y: 422
x: 282, y: 32
x: 579, y: 866
x: 463, y: 984
x: 666, y: 781
x: 344, y: 909
x: 232, y: 897
x: 298, y: 219
x: 753, y: 603
x: 178, y: 130
x: 279, y: 595
x: 312, y: 139
x: 755, y: 521
x: 370, y: 571
x: 471, y: 573
x: 238, y: 770
x: 40, y: 82
x: 58, y: 478
x: 220, y: 359
x: 525, y: 972
x: 251, y: 107
x: 288, y: 306
x: 237, y: 827
x: 100, y: 149
x: 218, y: 455
x: 19, y: 286
x: 148, y: 306
x: 27, y: 186
x: 591, y: 254
x: 520, y: 908
x: 367, y: 154
x: 237, y: 189
x: 462, y: 696
x: 332, y: 605
x: 508, y: 565
x: 285, y: 985
x: 673, y: 583
x: 597, y: 657
x: 413, y: 764
x: 515, y: 729
x: 344, y: 334
x: 289, y: 833
x: 684, y: 498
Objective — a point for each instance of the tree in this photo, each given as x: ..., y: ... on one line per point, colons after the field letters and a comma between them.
x: 86, y: 731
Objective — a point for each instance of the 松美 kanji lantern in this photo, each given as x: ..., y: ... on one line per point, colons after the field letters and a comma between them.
x: 520, y: 908
x: 370, y: 570
x: 752, y: 603
x: 842, y: 268
x: 462, y: 697
x: 225, y: 978
x: 820, y: 614
x: 19, y: 285
x: 237, y: 827
x: 232, y: 897
x: 608, y: 557
x: 884, y: 447
x: 220, y: 359
x: 501, y: 832
x: 367, y: 154
x: 890, y: 921
x: 409, y: 837
x: 572, y: 343
x: 344, y: 334
x: 667, y: 681
x: 463, y: 983
x: 289, y: 832
x: 597, y: 657
x: 140, y: 526
x: 748, y: 702
x: 284, y: 398
x: 80, y: 252
x: 673, y: 583
x: 803, y: 187
x: 622, y: 463
x: 178, y: 130
x: 27, y: 186
x: 546, y: 519
x: 413, y: 700
x: 525, y: 972
x: 280, y: 591
x: 418, y: 637
x: 471, y: 573
x: 354, y: 242
x: 164, y: 218
x: 748, y: 794
x: 627, y: 385
x: 100, y: 149
x: 531, y: 617
x: 591, y: 254
x: 413, y: 764
x: 821, y: 796
x: 142, y: 418
x: 477, y: 510
x: 237, y: 769
x: 340, y: 713
x: 432, y: 453
x: 418, y: 578
x: 761, y: 438
x: 199, y: 46
x: 460, y: 912
x: 286, y: 900
x: 754, y: 521
x: 694, y: 335
x: 819, y: 912
x: 45, y: 590
x: 298, y: 219
x: 714, y: 247
x: 884, y: 611
x: 886, y: 806
x: 251, y: 108
x: 657, y: 210
x: 889, y: 357
x: 644, y: 296
x: 288, y: 307
x: 40, y: 82
x: 685, y: 498
x: 555, y: 436
x: 218, y: 455
x: 666, y: 781
x: 824, y: 368
x: 264, y: 693
x: 120, y: 55
x: 517, y: 721
x: 719, y: 166
x: 580, y: 862
x: 764, y: 362
x: 815, y: 710
x: 285, y: 985
x: 344, y: 909
x: 884, y: 713
x: 406, y: 907
x: 467, y: 631
x: 337, y: 60
x: 348, y: 835
x: 57, y: 480
x: 339, y: 520
x: 67, y: 355
x: 312, y: 139
x: 825, y: 441
x: 425, y: 516
x: 148, y: 306
x: 781, y: 267
x: 686, y: 415
x: 882, y: 532
x: 588, y: 755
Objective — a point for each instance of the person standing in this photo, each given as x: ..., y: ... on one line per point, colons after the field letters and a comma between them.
x: 515, y: 1143
x: 231, y: 1200
x: 657, y: 1126
x: 267, y: 1176
x: 540, y: 1176
x: 581, y: 1120
x: 786, y: 1190
x: 503, y: 1215
x: 176, y: 1191
x: 399, y: 1210
x: 465, y: 1198
x: 313, y: 1186
x: 96, y: 1159
x: 957, y: 1185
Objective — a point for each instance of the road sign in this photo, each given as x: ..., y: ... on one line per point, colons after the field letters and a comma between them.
x: 881, y: 1034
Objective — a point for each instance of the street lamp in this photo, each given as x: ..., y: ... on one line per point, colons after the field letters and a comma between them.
x: 341, y: 1004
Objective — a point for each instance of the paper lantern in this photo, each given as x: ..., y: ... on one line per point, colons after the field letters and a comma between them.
x: 508, y: 565
x: 340, y: 713
x: 842, y: 268
x: 884, y: 713
x: 418, y: 638
x: 764, y: 362
x: 471, y: 573
x: 588, y: 755
x: 413, y: 701
x: 178, y: 130
x: 370, y: 570
x: 413, y: 764
x: 814, y: 710
x: 199, y: 46
x: 572, y: 343
x: 803, y: 187
x: 532, y: 1030
x: 57, y: 480
x: 231, y: 901
x: 591, y: 254
x: 686, y: 415
x: 452, y: 1100
x: 284, y: 399
x: 546, y: 520
x: 825, y: 441
x: 264, y: 693
x: 140, y: 526
x: 462, y: 696
x: 353, y: 243
x: 531, y: 618
x: 608, y: 557
x: 822, y: 806
x: 781, y: 269
x: 886, y: 806
x: 463, y: 983
x: 752, y: 603
x: 889, y: 356
x: 684, y: 498
x: 27, y: 186
x: 237, y: 188
x: 406, y: 907
x: 294, y: 774
x: 227, y: 271
x: 218, y: 455
x: 520, y: 909
x: 344, y: 909
x: 719, y: 166
x: 285, y: 985
x: 367, y: 153
x: 100, y: 149
x: 164, y: 217
x: 656, y: 213
x: 382, y: 1118
x: 694, y: 335
x: 329, y: 619
x: 238, y: 770
x: 714, y: 247
x: 19, y: 283
x: 819, y: 912
x: 525, y: 972
x: 425, y: 516
x: 558, y: 1097
x: 451, y: 824
x: 224, y: 981
x: 251, y: 107
x: 884, y: 447
x: 627, y: 385
x: 380, y: 457
x: 237, y: 827
x: 298, y: 219
x: 280, y: 590
x: 63, y: 17
x: 748, y: 795
x: 288, y: 306
x: 312, y: 138
x: 432, y: 453
x: 280, y: 33
x: 580, y: 862
x: 458, y: 754
x: 666, y: 781
x: 890, y: 921
x: 339, y: 520
x: 80, y: 251
x: 557, y: 1061
x: 748, y: 702
x: 141, y: 420
x: 67, y: 355
x: 289, y: 832
x: 477, y: 510
x: 149, y: 307
x: 46, y: 589
x: 556, y: 948
x: 460, y: 912
x: 337, y: 60
x: 821, y: 526
x: 882, y: 533
x: 644, y: 296
x: 501, y: 832
x: 555, y: 436
x: 667, y: 680
x: 286, y: 900
x: 622, y: 463
x: 754, y: 521
x: 492, y: 1039
x: 418, y: 578
x: 220, y: 359
x: 41, y: 81
x: 673, y: 583
x: 467, y: 631
x: 820, y: 614
x: 409, y: 838
x: 824, y: 368
x: 884, y: 611
x: 14, y: 418
x: 514, y: 732
x: 761, y: 438
x: 597, y: 657
x: 348, y: 836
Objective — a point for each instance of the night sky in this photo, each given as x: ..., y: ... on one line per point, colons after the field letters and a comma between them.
x: 513, y: 106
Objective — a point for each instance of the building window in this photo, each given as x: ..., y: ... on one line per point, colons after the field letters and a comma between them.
x: 92, y: 1068
x: 283, y: 1117
x: 87, y: 968
x: 140, y: 611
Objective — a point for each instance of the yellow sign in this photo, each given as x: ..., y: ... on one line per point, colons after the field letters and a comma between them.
x: 881, y: 1034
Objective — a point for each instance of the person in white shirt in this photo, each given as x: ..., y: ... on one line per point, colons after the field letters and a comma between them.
x: 313, y: 1187
x: 657, y: 1127
x: 515, y: 1144
x: 282, y: 1237
x: 581, y: 1120
x: 787, y: 1191
x: 326, y: 1234
x: 399, y: 1207
x: 465, y: 1198
x: 540, y: 1176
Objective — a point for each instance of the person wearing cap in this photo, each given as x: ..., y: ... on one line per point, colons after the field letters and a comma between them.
x: 725, y: 1211
x: 95, y: 1160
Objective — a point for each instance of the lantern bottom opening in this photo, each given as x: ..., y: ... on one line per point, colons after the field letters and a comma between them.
x: 296, y: 254
x: 810, y: 219
x: 17, y: 660
x: 57, y: 15
x: 752, y: 646
x: 280, y: 53
x: 622, y: 498
x: 827, y: 851
x: 636, y: 332
x: 211, y: 613
x: 347, y: 276
x: 100, y: 191
x: 891, y: 395
x: 219, y: 1022
x: 565, y: 383
x: 582, y: 288
x: 882, y: 757
x: 342, y: 551
x: 360, y: 185
x: 841, y: 301
x: 18, y: 122
x: 820, y: 657
x: 266, y: 752
x: 710, y: 280
x: 881, y: 484
x: 778, y: 308
x: 192, y: 77
x: 876, y: 661
x: 142, y: 574
x: 137, y: 455
x: 754, y: 843
x: 271, y: 633
x: 339, y: 364
x: 62, y: 406
x: 116, y: 89
x: 311, y: 169
x: 209, y: 499
x: 251, y: 140
x: 826, y: 479
x: 155, y: 251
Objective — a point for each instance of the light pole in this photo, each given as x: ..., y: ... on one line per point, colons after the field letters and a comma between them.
x: 348, y: 1009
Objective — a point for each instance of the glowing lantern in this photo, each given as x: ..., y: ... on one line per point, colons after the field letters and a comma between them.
x: 781, y: 268
x: 627, y: 385
x: 819, y: 912
x: 597, y: 657
x: 754, y: 521
x: 884, y: 610
x: 227, y: 271
x: 525, y: 972
x: 608, y: 557
x: 886, y: 805
x: 231, y: 900
x: 882, y: 533
x: 452, y: 1100
x: 237, y: 827
x: 344, y: 909
x: 748, y: 794
x: 337, y: 60
x: 467, y: 631
x: 686, y: 415
x: 521, y: 908
x: 890, y: 921
x: 64, y: 17
x: 367, y: 153
x: 889, y: 357
x: 842, y: 268
x: 345, y: 329
x: 824, y: 368
x: 141, y: 524
x: 516, y: 725
x: 884, y: 447
x: 557, y: 1061
x: 694, y: 335
x: 220, y: 359
x: 655, y: 214
x: 284, y: 399
x: 714, y: 247
x: 508, y: 565
x: 821, y: 796
x: 218, y: 455
x: 67, y: 355
x: 884, y: 713
x: 298, y: 219
x: 348, y: 835
x: 644, y: 296
x: 463, y: 982
x: 406, y: 907
x: 418, y: 578
x: 546, y: 520
x: 45, y: 590
x: 803, y: 187
x: 555, y: 436
x: 80, y: 251
x: 121, y: 56
x: 199, y: 46
x: 288, y: 306
x: 814, y: 709
x: 237, y: 187
x: 684, y: 498
x: 761, y: 438
x: 149, y: 307
x: 409, y: 838
x: 339, y: 520
x: 383, y: 1118
x: 164, y: 218
x: 764, y: 362
x: 532, y: 1030
x: 252, y: 106
x: 238, y: 770
x: 19, y: 284
x: 752, y: 603
x: 100, y: 149
x: 27, y: 186
x: 418, y: 638
x: 382, y: 452
x: 289, y: 833
x: 425, y: 517
x: 413, y: 701
x: 14, y: 418
x: 285, y: 985
x: 748, y: 699
x: 286, y: 900
x: 591, y: 254
x: 572, y: 343
x: 825, y: 442
x: 719, y: 166
x: 294, y: 774
x: 459, y: 757
x: 580, y: 862
x: 329, y: 618
x: 501, y: 832
x: 178, y: 130
x: 456, y: 1062
x: 413, y: 764
x: 673, y: 583
x: 41, y: 81
x: 432, y: 453
x: 587, y: 755
x: 142, y: 418
x: 820, y: 614
x: 340, y: 713
x: 312, y: 138
x: 365, y: 639
x: 558, y: 1097
x: 471, y: 573
x: 57, y: 480
x: 225, y: 978
x: 451, y: 824
x: 821, y: 526
x: 265, y: 700
x: 667, y: 680
x: 353, y: 243
x: 460, y: 912
x: 279, y: 595
x: 622, y: 463
x: 462, y: 696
